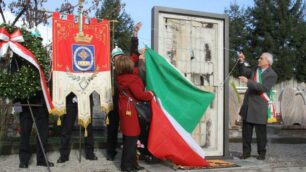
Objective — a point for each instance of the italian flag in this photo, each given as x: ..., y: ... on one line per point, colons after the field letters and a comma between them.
x: 177, y: 109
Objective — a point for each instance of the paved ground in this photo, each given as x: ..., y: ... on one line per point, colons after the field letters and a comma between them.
x: 286, y: 152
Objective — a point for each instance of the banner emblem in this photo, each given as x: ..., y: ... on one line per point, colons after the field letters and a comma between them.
x: 83, y: 58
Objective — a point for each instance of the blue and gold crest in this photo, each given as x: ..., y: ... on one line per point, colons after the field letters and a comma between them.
x: 83, y: 58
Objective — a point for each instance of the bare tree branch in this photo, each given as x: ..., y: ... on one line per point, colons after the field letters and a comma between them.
x: 27, y: 4
x: 35, y: 12
x: 60, y: 11
x: 1, y: 11
x: 34, y: 15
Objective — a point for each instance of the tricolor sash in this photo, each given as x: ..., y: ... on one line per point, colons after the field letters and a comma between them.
x: 271, y: 114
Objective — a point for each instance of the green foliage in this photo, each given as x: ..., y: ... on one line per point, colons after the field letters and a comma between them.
x: 238, y: 33
x: 114, y: 10
x: 25, y: 82
x: 274, y: 26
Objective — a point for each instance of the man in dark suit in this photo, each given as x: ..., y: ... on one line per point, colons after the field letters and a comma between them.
x: 67, y: 126
x: 41, y: 116
x: 40, y: 113
x: 254, y: 110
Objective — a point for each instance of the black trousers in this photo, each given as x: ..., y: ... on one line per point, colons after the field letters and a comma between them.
x: 261, y: 137
x: 143, y: 137
x: 68, y: 121
x: 26, y: 123
x: 112, y: 131
x: 128, y: 159
x: 112, y: 127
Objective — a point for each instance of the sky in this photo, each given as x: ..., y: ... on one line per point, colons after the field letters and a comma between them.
x: 140, y: 10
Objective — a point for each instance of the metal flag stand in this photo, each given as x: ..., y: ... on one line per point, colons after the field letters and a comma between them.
x: 39, y: 138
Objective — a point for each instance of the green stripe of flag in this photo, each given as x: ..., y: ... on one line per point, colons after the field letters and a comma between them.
x: 184, y: 101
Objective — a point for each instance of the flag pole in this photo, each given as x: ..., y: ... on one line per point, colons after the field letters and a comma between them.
x: 81, y: 32
x: 113, y: 32
x: 39, y: 138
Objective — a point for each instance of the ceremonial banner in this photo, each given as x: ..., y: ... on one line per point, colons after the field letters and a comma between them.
x: 81, y: 64
x: 176, y: 112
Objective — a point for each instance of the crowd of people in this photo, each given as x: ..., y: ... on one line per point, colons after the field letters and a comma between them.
x: 128, y: 73
x: 128, y: 87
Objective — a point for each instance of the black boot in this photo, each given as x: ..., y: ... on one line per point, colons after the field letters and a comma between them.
x: 261, y: 157
x: 62, y: 159
x: 23, y: 165
x: 92, y: 157
x: 111, y: 155
x: 43, y: 163
x: 245, y: 156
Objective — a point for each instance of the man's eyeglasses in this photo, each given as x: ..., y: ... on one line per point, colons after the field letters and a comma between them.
x: 260, y: 58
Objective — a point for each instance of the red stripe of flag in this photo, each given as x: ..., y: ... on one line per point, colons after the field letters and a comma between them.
x: 167, y: 144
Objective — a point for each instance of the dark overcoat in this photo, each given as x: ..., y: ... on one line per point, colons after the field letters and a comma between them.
x: 254, y: 108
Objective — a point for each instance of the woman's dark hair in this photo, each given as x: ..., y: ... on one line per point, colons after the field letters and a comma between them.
x: 124, y: 65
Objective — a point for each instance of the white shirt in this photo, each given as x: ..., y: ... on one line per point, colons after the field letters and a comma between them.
x: 263, y: 69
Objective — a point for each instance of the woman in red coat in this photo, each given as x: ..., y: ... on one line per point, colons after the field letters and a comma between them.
x: 131, y: 89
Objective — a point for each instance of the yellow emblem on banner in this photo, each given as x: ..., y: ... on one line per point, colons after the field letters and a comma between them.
x: 81, y: 37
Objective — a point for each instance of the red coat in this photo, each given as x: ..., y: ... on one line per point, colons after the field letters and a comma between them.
x: 133, y: 86
x: 134, y: 54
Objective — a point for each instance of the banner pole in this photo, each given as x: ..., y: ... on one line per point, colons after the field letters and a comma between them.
x: 80, y: 144
x: 81, y: 16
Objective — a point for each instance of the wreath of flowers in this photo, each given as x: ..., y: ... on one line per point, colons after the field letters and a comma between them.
x: 25, y: 82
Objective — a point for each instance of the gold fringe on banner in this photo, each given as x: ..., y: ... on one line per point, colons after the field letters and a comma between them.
x: 85, y: 125
x: 107, y: 120
x: 58, y: 111
x: 85, y: 134
x: 59, y: 122
x: 106, y: 107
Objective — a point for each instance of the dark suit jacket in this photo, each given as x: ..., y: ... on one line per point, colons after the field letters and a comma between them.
x: 254, y: 108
